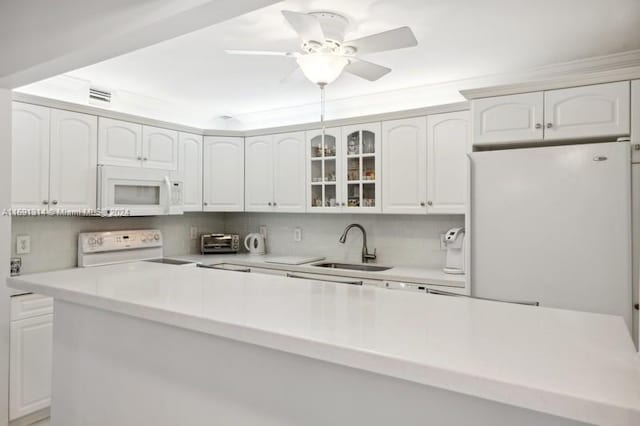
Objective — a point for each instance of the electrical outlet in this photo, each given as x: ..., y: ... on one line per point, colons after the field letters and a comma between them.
x: 16, y: 266
x: 297, y: 235
x: 443, y: 244
x: 193, y: 232
x: 23, y: 244
x: 263, y: 231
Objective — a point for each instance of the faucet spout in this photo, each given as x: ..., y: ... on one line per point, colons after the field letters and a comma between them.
x: 366, y: 256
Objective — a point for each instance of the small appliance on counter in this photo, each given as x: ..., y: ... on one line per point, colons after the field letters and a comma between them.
x: 454, y: 241
x: 219, y: 243
x: 255, y: 244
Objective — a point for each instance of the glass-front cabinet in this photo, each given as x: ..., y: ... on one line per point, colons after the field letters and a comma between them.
x: 344, y: 169
x: 323, y: 170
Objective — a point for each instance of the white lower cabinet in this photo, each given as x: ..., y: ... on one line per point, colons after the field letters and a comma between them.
x: 223, y: 174
x: 30, y: 355
x: 635, y: 121
x: 404, y: 166
x: 448, y: 143
x: 190, y: 170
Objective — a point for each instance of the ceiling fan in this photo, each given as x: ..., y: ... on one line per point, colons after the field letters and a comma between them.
x: 325, y: 54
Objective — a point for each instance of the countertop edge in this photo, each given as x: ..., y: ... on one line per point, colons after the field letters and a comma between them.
x: 562, y: 405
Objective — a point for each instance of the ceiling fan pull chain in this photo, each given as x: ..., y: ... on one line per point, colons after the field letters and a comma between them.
x: 322, y: 109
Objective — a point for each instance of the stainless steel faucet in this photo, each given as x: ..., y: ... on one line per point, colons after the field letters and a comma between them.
x: 366, y: 256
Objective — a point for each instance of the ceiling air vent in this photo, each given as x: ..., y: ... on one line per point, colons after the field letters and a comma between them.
x: 99, y: 96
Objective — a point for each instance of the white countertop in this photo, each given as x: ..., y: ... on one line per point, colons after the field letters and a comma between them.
x: 571, y: 364
x: 407, y: 274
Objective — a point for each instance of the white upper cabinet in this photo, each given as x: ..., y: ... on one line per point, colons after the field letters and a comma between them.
x: 73, y: 160
x: 119, y: 143
x: 635, y: 120
x: 448, y: 142
x: 190, y: 170
x: 159, y: 148
x: 54, y: 158
x: 289, y: 175
x: 596, y: 111
x: 404, y: 166
x: 30, y: 156
x: 508, y: 119
x: 361, y: 154
x: 223, y: 174
x: 259, y: 173
x: 324, y: 171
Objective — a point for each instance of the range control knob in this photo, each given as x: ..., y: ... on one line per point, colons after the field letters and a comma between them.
x: 99, y: 241
x: 91, y: 241
x: 156, y: 237
x: 149, y: 238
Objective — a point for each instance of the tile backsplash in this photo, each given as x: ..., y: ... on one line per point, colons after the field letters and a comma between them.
x: 399, y: 239
x: 54, y: 240
x: 408, y: 240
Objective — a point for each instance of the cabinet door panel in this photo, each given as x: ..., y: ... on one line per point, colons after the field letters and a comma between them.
x: 508, y: 119
x: 596, y: 111
x: 159, y: 148
x: 74, y: 157
x: 30, y: 156
x: 30, y: 365
x: 361, y: 151
x: 119, y: 143
x: 259, y: 173
x: 324, y: 167
x: 404, y: 169
x: 190, y: 170
x: 447, y: 147
x: 289, y: 177
x: 223, y: 174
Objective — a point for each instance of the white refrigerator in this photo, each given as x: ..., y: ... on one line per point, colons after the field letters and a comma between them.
x: 553, y: 225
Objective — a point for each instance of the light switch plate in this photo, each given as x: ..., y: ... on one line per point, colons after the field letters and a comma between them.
x: 297, y: 234
x: 263, y: 231
x: 193, y: 232
x: 23, y: 244
x: 443, y: 244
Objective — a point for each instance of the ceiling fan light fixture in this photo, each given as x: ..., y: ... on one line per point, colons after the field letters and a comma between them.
x: 322, y: 69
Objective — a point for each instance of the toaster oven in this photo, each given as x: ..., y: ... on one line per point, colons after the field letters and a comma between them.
x: 219, y: 243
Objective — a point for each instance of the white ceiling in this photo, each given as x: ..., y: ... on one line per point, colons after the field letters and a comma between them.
x: 458, y: 39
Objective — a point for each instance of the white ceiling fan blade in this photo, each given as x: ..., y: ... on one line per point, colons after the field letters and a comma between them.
x: 388, y: 40
x: 262, y: 53
x: 367, y: 70
x: 307, y: 26
x: 294, y: 76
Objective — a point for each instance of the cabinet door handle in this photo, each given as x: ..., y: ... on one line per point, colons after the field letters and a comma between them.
x: 549, y: 125
x: 139, y: 158
x: 538, y: 126
x: 421, y: 203
x: 205, y: 203
x: 275, y: 204
x: 54, y: 202
x: 45, y: 202
x: 144, y: 159
x: 269, y: 203
x: 429, y: 203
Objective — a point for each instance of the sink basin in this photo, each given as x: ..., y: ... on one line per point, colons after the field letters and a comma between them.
x: 353, y: 266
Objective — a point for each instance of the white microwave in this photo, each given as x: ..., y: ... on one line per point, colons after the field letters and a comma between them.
x: 138, y: 192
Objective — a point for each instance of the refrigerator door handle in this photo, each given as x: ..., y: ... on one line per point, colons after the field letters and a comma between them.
x: 448, y: 293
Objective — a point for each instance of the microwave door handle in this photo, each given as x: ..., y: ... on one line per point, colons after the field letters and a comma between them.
x: 167, y: 182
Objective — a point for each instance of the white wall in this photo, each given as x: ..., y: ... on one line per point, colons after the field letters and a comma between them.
x: 400, y: 239
x: 54, y: 240
x: 5, y: 235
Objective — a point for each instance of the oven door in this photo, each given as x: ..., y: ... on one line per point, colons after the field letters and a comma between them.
x: 130, y: 191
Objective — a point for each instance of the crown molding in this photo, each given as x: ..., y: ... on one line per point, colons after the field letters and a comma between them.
x: 596, y: 70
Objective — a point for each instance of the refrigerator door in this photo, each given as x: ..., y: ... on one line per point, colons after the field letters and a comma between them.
x: 553, y: 225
